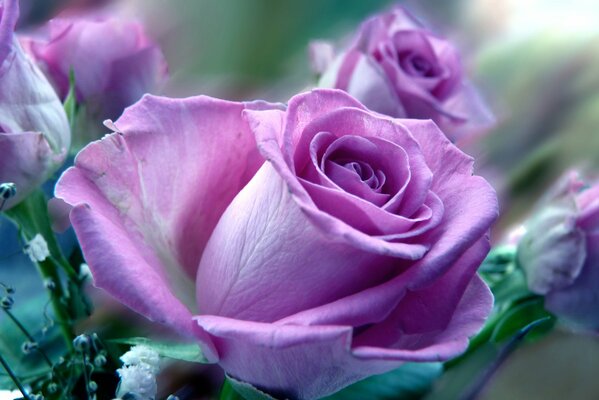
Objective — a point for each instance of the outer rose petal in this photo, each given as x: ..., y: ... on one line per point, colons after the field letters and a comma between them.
x: 25, y: 161
x: 34, y: 132
x: 280, y: 358
x: 156, y: 188
x: 255, y: 264
x: 470, y: 202
x: 579, y: 302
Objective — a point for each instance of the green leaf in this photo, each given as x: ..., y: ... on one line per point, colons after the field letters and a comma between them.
x: 190, y: 352
x: 70, y: 102
x: 499, y: 260
x: 520, y: 316
x: 410, y: 381
x: 236, y: 390
x: 511, y: 288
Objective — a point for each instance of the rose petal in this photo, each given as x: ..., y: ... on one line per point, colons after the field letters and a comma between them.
x: 579, y: 302
x: 363, y: 123
x: 280, y: 358
x: 25, y: 161
x: 254, y: 267
x: 266, y: 129
x: 160, y: 184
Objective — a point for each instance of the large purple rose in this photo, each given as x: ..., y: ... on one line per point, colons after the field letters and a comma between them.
x: 560, y: 252
x: 34, y: 132
x: 399, y: 68
x: 113, y: 60
x: 328, y: 243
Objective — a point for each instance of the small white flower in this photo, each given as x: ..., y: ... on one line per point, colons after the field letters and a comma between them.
x: 37, y: 249
x: 137, y: 380
x: 141, y: 354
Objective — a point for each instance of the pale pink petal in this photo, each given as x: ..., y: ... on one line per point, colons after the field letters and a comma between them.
x: 160, y: 184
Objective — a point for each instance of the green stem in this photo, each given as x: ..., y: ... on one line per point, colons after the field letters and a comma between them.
x: 61, y: 315
x: 85, y: 376
x: 14, y: 378
x: 27, y: 335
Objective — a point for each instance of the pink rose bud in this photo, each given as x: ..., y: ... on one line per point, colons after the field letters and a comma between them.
x: 560, y: 252
x: 34, y: 132
x: 113, y: 60
x: 397, y: 67
x: 305, y: 248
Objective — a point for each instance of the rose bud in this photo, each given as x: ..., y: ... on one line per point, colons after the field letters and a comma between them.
x: 114, y: 63
x: 34, y: 132
x: 560, y: 252
x: 397, y: 67
x: 327, y: 242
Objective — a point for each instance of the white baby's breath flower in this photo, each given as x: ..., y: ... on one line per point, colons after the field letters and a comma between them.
x: 138, y: 381
x: 141, y: 354
x: 37, y: 248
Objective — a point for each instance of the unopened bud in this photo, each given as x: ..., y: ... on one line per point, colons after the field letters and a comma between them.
x: 7, y: 190
x: 100, y: 360
x: 28, y: 347
x: 6, y: 302
x: 82, y: 343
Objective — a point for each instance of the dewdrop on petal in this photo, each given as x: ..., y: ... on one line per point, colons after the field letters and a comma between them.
x: 142, y: 355
x: 37, y: 249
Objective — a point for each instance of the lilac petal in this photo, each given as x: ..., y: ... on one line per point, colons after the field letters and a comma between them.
x: 25, y: 161
x: 254, y: 269
x: 377, y: 304
x: 369, y: 84
x: 352, y: 183
x: 470, y: 202
x: 59, y: 211
x: 306, y: 107
x: 447, y: 56
x: 309, y: 362
x: 380, y: 154
x: 137, y: 75
x: 579, y: 302
x: 428, y: 311
x: 362, y: 214
x: 281, y: 359
x: 9, y: 15
x: 466, y: 320
x: 470, y: 115
x: 269, y: 142
x: 161, y: 182
x: 322, y: 54
x: 363, y: 123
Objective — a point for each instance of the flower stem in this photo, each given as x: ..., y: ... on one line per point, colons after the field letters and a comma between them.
x: 27, y: 335
x: 14, y: 378
x: 62, y: 318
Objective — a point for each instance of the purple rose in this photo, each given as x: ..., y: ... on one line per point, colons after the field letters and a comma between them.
x: 397, y: 67
x: 34, y: 132
x: 560, y: 252
x: 350, y: 251
x: 113, y: 60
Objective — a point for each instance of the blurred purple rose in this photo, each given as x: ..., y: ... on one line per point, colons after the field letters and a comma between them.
x: 34, y: 132
x: 560, y: 252
x: 352, y: 250
x: 115, y: 63
x: 397, y: 67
